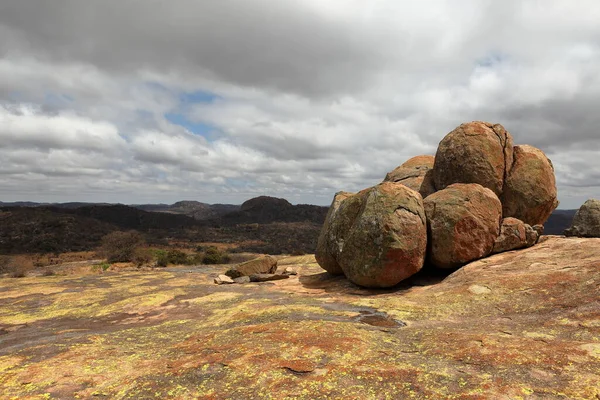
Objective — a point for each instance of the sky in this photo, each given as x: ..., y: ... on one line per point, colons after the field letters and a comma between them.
x: 220, y: 101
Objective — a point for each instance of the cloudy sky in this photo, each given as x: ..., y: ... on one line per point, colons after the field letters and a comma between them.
x: 223, y: 100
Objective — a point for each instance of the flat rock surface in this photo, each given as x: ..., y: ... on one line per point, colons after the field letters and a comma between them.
x: 518, y: 325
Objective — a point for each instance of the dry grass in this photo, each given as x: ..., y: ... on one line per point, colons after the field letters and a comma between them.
x: 16, y: 266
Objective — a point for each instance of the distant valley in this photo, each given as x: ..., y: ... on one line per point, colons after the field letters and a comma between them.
x: 262, y: 224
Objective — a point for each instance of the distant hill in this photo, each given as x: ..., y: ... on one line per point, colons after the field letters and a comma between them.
x: 194, y: 209
x: 44, y: 230
x: 265, y: 210
x: 559, y: 221
x: 263, y: 224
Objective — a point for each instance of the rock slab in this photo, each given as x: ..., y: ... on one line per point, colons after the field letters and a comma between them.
x: 261, y: 265
x: 223, y: 280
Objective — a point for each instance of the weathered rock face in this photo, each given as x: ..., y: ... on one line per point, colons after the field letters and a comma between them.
x: 586, y: 222
x: 475, y: 152
x: 514, y: 234
x: 416, y: 173
x: 381, y: 236
x: 530, y: 188
x: 262, y: 265
x: 480, y: 177
x: 331, y: 239
x: 463, y: 222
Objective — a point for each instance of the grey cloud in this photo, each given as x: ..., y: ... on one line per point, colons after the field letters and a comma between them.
x: 314, y: 96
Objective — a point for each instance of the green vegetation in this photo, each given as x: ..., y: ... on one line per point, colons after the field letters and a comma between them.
x: 213, y: 255
x: 121, y: 246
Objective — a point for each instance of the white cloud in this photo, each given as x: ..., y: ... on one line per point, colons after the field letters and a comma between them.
x: 311, y: 97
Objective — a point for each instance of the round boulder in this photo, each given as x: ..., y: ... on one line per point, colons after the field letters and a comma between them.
x: 514, y: 234
x: 331, y: 238
x: 586, y: 222
x: 530, y: 188
x: 416, y: 173
x: 463, y: 222
x: 388, y: 240
x: 475, y: 152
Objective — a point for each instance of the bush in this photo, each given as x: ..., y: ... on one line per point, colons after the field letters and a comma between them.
x: 161, y: 258
x: 16, y: 267
x: 213, y: 255
x: 142, y: 256
x: 177, y: 257
x: 121, y: 246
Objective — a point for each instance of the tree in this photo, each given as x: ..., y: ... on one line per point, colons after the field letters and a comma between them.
x: 121, y: 246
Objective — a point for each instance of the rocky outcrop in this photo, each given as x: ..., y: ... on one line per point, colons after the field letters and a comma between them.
x: 330, y: 243
x: 587, y: 220
x: 262, y: 265
x: 463, y: 222
x: 475, y: 152
x: 416, y: 173
x: 377, y: 237
x: 514, y: 234
x: 530, y: 189
x: 480, y: 178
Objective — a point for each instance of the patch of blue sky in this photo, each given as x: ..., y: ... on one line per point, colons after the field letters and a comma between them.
x: 197, y: 128
x: 179, y: 116
x: 199, y: 96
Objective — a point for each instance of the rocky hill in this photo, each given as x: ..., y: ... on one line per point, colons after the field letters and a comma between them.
x: 194, y: 209
x: 516, y: 325
x: 265, y: 209
x: 266, y: 225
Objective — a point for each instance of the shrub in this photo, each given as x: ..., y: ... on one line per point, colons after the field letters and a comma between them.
x: 142, y: 256
x: 161, y: 258
x: 16, y: 267
x: 177, y: 257
x: 213, y: 255
x: 121, y: 246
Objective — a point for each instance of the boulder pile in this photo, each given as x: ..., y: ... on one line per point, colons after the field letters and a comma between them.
x: 479, y: 195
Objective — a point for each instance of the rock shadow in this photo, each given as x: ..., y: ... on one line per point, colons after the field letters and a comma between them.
x: 329, y: 283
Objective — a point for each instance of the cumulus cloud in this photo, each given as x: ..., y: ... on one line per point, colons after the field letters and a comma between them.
x: 220, y: 101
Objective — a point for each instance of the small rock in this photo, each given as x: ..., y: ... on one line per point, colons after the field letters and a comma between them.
x: 223, y: 279
x: 267, y: 277
x: 242, y: 279
x: 514, y: 234
x: 261, y: 265
x: 289, y: 271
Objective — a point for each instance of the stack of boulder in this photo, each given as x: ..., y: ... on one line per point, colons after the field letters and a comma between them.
x: 479, y: 195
